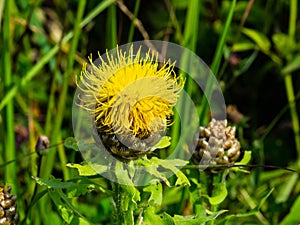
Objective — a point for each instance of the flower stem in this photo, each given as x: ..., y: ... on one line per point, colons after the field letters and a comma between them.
x: 117, y: 201
x: 293, y: 111
x: 123, y: 216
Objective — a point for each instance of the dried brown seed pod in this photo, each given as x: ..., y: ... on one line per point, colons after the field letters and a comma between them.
x: 216, y: 144
x: 8, y: 208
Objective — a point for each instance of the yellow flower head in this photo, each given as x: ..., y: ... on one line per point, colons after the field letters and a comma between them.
x: 129, y: 93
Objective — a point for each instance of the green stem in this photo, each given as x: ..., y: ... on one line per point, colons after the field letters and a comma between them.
x: 288, y: 80
x: 216, y: 61
x: 122, y: 216
x: 111, y: 27
x: 293, y: 110
x: 9, y: 140
x: 117, y: 201
x: 131, y: 29
x: 293, y: 18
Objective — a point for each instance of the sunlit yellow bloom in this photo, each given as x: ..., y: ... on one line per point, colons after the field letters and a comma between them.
x: 130, y: 93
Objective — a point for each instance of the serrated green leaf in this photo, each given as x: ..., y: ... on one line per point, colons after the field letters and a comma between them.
x: 151, y: 168
x: 219, y: 194
x: 52, y: 183
x: 88, y: 169
x: 171, y: 165
x: 150, y: 217
x: 182, y: 179
x: 259, y: 38
x: 187, y: 220
x: 81, y: 187
x: 71, y: 143
x: 155, y: 194
x: 198, y: 219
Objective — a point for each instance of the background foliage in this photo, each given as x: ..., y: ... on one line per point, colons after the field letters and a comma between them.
x: 252, y: 48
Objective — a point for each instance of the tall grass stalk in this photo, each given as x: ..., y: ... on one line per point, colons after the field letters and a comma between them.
x: 111, y: 27
x: 9, y: 136
x: 189, y: 41
x: 288, y: 80
x: 135, y: 12
x: 216, y: 62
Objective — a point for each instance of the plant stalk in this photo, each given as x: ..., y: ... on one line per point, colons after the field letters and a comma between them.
x: 289, y: 83
x: 9, y: 136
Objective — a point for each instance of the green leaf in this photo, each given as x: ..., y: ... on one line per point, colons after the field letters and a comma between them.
x: 287, y: 188
x: 292, y: 66
x: 187, y: 220
x: 254, y: 210
x: 243, y: 46
x: 52, y: 183
x: 151, y: 168
x: 63, y: 205
x: 122, y: 174
x: 71, y: 143
x: 155, y: 194
x: 79, y: 221
x: 171, y: 165
x: 202, y: 217
x: 262, y: 201
x: 219, y: 194
x: 246, y: 158
x: 293, y: 216
x: 244, y: 161
x: 284, y: 43
x: 67, y: 202
x: 163, y: 143
x: 259, y: 38
x: 150, y: 217
x: 88, y: 169
x: 65, y: 212
x: 82, y: 187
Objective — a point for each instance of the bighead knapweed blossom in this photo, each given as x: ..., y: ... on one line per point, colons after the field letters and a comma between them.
x: 130, y: 96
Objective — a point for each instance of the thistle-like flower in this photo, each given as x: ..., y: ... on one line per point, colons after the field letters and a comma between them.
x: 130, y: 97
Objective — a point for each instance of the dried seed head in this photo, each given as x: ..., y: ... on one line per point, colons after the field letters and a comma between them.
x: 8, y: 209
x: 216, y: 144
